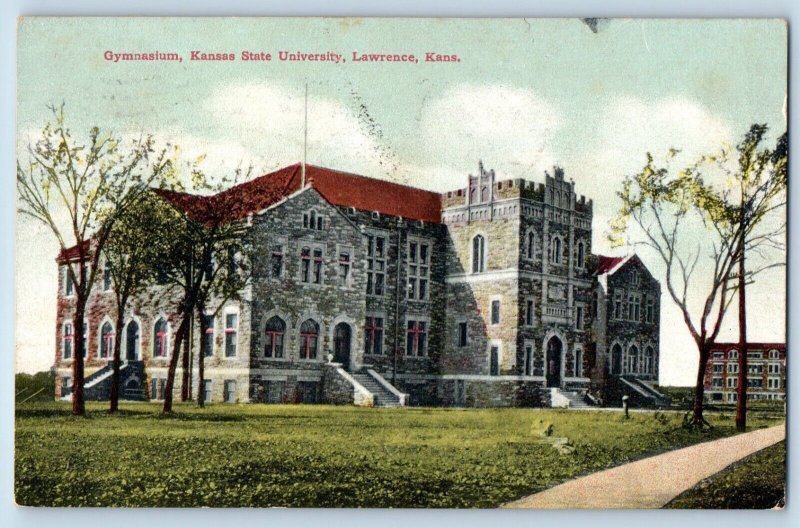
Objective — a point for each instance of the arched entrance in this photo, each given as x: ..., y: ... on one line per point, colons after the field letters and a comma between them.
x: 554, y: 348
x: 616, y: 360
x: 341, y: 344
x: 132, y: 341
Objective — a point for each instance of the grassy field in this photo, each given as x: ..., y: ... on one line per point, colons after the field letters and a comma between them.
x: 276, y: 455
x: 757, y: 482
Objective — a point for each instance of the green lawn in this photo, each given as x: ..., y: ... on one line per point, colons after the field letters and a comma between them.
x: 757, y: 482
x: 281, y: 455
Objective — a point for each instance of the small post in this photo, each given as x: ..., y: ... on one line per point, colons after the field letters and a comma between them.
x: 625, y: 406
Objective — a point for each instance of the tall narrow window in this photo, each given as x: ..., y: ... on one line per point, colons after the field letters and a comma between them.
x: 478, y: 254
x: 106, y: 340
x: 462, y: 334
x: 208, y: 337
x: 376, y: 265
x: 68, y: 341
x: 634, y: 277
x: 495, y: 316
x: 494, y: 361
x: 317, y: 266
x: 555, y: 255
x: 416, y: 338
x: 618, y: 295
x: 649, y: 310
x: 207, y: 390
x: 344, y: 268
x: 231, y: 334
x: 85, y: 339
x: 530, y: 247
x: 229, y: 391
x: 648, y: 360
x: 633, y: 357
x: 274, y: 333
x: 528, y: 360
x: 637, y: 307
x: 578, y: 363
x: 580, y: 254
x: 485, y: 194
x: 313, y: 220
x: 373, y: 335
x: 160, y: 338
x: 107, y: 276
x: 529, y: 312
x: 309, y: 339
x: 579, y: 318
x: 305, y: 264
x: 69, y: 286
x: 418, y: 271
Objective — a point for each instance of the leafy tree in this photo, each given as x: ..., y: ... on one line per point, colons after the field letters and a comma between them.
x: 78, y: 190
x: 683, y: 216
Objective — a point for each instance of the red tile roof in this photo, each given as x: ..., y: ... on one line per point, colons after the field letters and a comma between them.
x: 606, y: 264
x: 72, y: 253
x: 750, y: 346
x: 339, y: 188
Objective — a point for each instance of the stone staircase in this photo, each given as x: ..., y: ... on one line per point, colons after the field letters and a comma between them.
x: 576, y: 399
x: 382, y: 396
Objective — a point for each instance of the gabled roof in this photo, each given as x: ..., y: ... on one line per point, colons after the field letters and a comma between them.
x: 73, y: 253
x: 339, y: 188
x: 610, y: 264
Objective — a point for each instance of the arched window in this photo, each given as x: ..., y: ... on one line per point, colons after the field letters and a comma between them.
x: 485, y: 194
x: 648, y: 360
x: 478, y: 254
x: 773, y: 354
x: 160, y: 338
x: 106, y: 340
x: 733, y: 354
x: 555, y: 255
x: 580, y: 254
x: 633, y: 358
x: 309, y: 339
x: 274, y: 333
x: 530, y: 245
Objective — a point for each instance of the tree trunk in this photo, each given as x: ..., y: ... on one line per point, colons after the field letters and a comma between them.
x: 114, y: 406
x: 201, y: 356
x: 78, y: 405
x: 185, y: 374
x: 699, y: 391
x: 173, y: 362
x: 741, y: 390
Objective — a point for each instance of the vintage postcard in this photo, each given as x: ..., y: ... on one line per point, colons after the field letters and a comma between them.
x: 401, y: 263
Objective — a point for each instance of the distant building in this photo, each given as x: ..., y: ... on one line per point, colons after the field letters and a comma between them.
x: 487, y: 295
x: 766, y: 372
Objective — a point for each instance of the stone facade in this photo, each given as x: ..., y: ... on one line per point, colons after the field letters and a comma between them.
x: 496, y: 304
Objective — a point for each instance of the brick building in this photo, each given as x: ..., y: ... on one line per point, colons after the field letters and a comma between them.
x: 766, y: 372
x: 370, y: 292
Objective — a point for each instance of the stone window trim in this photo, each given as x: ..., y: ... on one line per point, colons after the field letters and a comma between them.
x: 277, y: 250
x: 416, y: 319
x: 313, y: 220
x: 67, y: 341
x: 774, y: 354
x: 462, y: 332
x: 530, y: 312
x: 229, y: 391
x: 288, y: 333
x: 733, y: 354
x: 557, y: 248
x: 580, y: 254
x: 499, y: 300
x: 312, y: 263
x: 478, y: 253
x: 231, y: 331
x: 309, y: 332
x: 419, y: 268
x: 498, y: 344
x: 274, y: 333
x: 377, y: 253
x: 528, y: 358
x: 580, y: 317
x: 105, y: 339
x: 375, y: 322
x: 69, y: 286
x: 529, y: 250
x: 124, y: 346
x: 345, y: 258
x: 577, y: 354
x: 161, y: 337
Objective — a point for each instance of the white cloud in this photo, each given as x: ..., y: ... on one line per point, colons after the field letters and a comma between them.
x: 512, y: 129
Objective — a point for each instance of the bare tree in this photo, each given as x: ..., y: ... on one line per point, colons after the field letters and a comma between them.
x: 78, y: 189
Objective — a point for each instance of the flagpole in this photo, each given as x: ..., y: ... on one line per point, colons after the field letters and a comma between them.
x: 305, y: 141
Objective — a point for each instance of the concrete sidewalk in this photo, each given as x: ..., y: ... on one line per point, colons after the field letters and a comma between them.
x: 652, y: 482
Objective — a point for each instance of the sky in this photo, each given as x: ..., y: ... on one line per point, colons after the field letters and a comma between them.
x: 525, y: 94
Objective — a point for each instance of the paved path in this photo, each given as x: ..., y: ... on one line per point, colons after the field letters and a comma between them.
x: 652, y: 482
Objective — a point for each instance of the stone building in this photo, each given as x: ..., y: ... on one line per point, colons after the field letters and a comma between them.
x: 374, y: 293
x: 766, y: 372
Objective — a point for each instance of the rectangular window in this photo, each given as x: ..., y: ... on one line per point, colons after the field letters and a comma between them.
x: 208, y: 338
x: 650, y: 310
x: 69, y: 286
x: 231, y: 334
x: 418, y: 271
x: 529, y: 312
x: 579, y: 318
x: 732, y: 383
x: 754, y: 355
x: 230, y: 391
x: 305, y: 264
x: 718, y: 368
x: 733, y: 368
x: 68, y: 341
x: 528, y: 359
x: 66, y: 385
x: 317, y: 266
x: 719, y: 355
x: 206, y: 390
x: 618, y: 296
x: 107, y: 277
x: 494, y: 361
x: 344, y: 268
x: 276, y: 262
x: 637, y: 306
x: 495, y: 316
x: 755, y: 369
x: 416, y: 338
x: 755, y: 383
x: 462, y: 334
x: 376, y: 265
x: 373, y: 335
x: 716, y: 382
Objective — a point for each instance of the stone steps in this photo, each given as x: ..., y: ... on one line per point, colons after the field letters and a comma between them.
x: 382, y: 397
x: 575, y: 398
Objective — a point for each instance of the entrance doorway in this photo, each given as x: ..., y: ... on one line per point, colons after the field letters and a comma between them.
x: 554, y: 348
x: 616, y: 360
x: 341, y: 345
